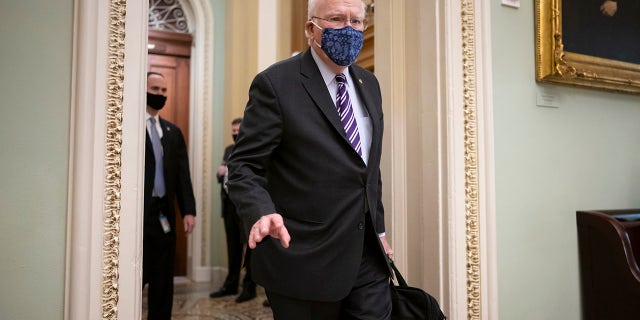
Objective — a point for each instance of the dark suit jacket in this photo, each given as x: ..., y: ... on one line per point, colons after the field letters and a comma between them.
x: 292, y: 157
x: 227, y: 205
x: 176, y: 176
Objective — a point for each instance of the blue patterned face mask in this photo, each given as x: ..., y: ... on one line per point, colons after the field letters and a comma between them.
x: 343, y: 45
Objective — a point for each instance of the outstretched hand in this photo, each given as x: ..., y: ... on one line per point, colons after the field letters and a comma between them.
x: 269, y: 225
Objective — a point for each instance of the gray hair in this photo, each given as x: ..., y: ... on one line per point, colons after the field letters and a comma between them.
x: 313, y: 4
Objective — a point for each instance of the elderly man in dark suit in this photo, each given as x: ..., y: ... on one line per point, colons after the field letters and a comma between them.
x: 166, y: 179
x: 305, y: 176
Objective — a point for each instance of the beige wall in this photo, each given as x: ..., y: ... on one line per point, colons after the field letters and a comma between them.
x: 241, y: 59
x: 242, y: 51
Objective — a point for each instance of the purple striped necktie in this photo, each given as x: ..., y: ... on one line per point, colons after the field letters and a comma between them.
x: 343, y: 104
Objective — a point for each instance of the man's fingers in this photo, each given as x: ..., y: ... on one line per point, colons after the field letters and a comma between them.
x: 252, y: 243
x: 279, y: 231
x: 269, y: 225
x: 189, y: 223
x: 390, y: 254
x: 275, y: 221
x: 262, y: 230
x: 284, y: 236
x: 258, y: 232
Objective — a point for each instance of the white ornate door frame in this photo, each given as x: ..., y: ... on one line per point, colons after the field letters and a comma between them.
x: 470, y: 168
x: 200, y: 16
x: 444, y: 237
x: 103, y: 278
x: 103, y: 274
x: 471, y: 163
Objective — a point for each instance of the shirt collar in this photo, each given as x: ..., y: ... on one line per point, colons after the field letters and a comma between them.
x: 326, y: 73
x: 156, y: 117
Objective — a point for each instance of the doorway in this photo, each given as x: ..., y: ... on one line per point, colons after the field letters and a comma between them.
x: 169, y: 53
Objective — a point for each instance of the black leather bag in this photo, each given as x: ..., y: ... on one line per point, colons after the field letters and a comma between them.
x: 411, y: 303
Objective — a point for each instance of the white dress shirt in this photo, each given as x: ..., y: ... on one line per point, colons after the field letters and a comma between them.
x: 158, y: 128
x: 362, y: 116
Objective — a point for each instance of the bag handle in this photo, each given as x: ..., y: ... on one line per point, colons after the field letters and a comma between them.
x: 398, y: 276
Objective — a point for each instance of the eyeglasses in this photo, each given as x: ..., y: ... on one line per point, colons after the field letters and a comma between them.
x: 341, y: 21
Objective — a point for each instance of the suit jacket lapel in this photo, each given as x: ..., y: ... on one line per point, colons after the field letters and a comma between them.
x: 367, y: 102
x: 314, y: 84
x: 363, y: 91
x: 165, y: 131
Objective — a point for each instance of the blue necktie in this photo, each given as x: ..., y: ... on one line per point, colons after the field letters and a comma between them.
x: 343, y: 103
x: 158, y: 180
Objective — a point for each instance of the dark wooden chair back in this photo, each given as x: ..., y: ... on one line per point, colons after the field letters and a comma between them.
x: 609, y: 248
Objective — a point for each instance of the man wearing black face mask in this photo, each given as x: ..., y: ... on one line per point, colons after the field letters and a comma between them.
x: 166, y: 179
x: 305, y: 176
x: 236, y: 239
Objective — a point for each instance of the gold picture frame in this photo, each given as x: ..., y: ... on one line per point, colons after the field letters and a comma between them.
x: 556, y: 65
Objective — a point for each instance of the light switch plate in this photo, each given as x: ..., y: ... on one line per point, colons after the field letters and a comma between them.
x: 511, y: 3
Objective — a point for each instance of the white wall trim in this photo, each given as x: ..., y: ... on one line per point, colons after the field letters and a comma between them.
x: 488, y: 227
x: 392, y: 162
x: 200, y: 16
x: 456, y: 91
x: 87, y: 169
x: 133, y: 150
x: 454, y: 135
x: 86, y: 229
x: 84, y: 223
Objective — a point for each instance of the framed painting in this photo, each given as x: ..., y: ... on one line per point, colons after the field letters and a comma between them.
x: 589, y: 43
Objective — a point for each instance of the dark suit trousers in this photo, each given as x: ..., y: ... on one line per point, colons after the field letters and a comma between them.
x: 157, y: 265
x: 235, y: 240
x: 369, y: 299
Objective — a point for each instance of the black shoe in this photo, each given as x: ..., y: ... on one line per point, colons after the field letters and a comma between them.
x: 266, y: 303
x: 222, y: 293
x: 246, y: 295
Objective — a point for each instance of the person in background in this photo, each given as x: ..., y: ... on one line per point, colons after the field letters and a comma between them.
x: 166, y: 179
x: 236, y: 240
x: 305, y: 176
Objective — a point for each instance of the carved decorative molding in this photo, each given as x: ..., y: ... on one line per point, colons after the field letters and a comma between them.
x: 113, y: 160
x: 167, y: 15
x: 208, y: 174
x: 470, y: 87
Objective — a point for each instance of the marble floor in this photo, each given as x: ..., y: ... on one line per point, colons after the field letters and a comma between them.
x: 191, y: 302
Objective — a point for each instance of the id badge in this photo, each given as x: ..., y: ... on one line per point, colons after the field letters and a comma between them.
x: 165, y: 223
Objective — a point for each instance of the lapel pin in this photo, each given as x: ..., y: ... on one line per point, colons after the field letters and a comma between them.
x: 360, y: 80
